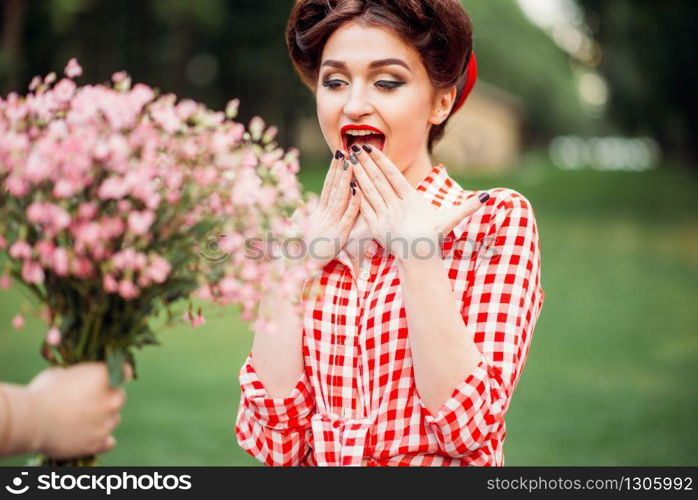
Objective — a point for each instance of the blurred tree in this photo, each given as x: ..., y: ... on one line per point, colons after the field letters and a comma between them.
x: 215, y: 50
x: 211, y: 51
x: 522, y: 59
x: 650, y: 59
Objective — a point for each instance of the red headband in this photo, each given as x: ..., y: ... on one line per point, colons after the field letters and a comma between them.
x: 470, y: 77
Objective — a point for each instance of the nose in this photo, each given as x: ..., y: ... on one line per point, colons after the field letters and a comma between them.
x: 357, y: 104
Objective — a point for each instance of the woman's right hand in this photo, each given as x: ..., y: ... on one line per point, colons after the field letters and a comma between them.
x: 331, y: 222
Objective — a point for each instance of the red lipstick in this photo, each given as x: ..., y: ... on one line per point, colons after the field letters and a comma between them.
x: 345, y: 128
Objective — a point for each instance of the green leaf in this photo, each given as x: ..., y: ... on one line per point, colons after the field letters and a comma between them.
x: 115, y: 364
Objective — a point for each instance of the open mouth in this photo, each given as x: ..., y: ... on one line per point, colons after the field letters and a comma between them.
x: 360, y: 135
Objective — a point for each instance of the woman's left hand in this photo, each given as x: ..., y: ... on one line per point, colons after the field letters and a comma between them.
x: 398, y: 216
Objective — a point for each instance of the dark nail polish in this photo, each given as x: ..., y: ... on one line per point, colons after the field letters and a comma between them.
x: 338, y: 155
x: 356, y: 149
x: 346, y: 165
x: 352, y: 184
x: 353, y: 191
x: 367, y: 148
x: 354, y: 160
x: 484, y: 197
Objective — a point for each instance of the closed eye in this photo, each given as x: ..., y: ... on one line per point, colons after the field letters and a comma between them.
x: 383, y: 84
x: 389, y: 84
x: 332, y: 84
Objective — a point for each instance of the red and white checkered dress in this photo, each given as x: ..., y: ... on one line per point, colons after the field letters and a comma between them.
x: 356, y: 403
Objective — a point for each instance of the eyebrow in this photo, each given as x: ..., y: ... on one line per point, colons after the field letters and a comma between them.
x: 374, y: 64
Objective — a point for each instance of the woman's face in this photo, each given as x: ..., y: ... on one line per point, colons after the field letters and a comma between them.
x: 370, y: 77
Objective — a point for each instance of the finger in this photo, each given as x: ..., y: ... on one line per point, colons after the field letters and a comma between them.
x: 385, y: 188
x: 460, y: 212
x: 109, y: 443
x: 116, y: 400
x: 367, y: 210
x: 335, y: 182
x: 114, y: 422
x: 340, y: 195
x: 352, y: 212
x: 400, y: 184
x: 128, y: 372
x: 368, y: 189
x: 329, y: 178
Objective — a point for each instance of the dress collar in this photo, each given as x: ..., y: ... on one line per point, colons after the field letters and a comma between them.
x: 433, y: 180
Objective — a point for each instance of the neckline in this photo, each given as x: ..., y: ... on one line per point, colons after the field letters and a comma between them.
x: 436, y: 171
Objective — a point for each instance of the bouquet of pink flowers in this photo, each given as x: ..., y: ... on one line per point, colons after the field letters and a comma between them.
x: 116, y: 202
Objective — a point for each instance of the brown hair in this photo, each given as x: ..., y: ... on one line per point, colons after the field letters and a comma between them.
x: 439, y: 30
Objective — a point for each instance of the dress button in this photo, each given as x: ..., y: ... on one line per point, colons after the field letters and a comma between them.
x: 372, y: 249
x: 365, y: 275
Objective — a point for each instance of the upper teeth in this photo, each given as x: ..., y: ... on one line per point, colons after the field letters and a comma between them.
x: 361, y: 132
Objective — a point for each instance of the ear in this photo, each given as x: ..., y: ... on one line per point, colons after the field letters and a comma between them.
x: 444, y: 101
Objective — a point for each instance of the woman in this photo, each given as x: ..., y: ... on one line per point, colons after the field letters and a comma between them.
x: 408, y: 356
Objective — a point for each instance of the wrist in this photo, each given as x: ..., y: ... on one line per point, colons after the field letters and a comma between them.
x: 418, y: 268
x: 417, y: 248
x: 21, y: 427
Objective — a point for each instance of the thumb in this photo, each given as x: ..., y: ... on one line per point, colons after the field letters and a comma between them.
x: 456, y: 214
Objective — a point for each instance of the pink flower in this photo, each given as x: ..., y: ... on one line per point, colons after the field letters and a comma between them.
x: 45, y: 249
x: 53, y: 336
x: 143, y: 281
x: 267, y: 196
x: 186, y: 108
x: 32, y: 272
x: 158, y: 270
x: 119, y: 76
x: 186, y: 317
x: 198, y: 321
x: 111, y: 227
x: 249, y: 271
x: 87, y: 234
x: 65, y: 188
x: 229, y: 286
x: 128, y: 258
x: 87, y: 210
x: 64, y: 90
x: 128, y: 290
x: 110, y: 284
x: 3, y: 243
x: 82, y: 268
x: 123, y: 206
x: 246, y: 188
x: 140, y: 222
x: 5, y: 282
x: 34, y: 84
x: 16, y: 186
x: 37, y: 212
x: 113, y: 188
x: 205, y: 176
x: 73, y: 69
x: 51, y: 217
x: 18, y: 322
x: 60, y: 263
x: 173, y: 197
x: 20, y: 250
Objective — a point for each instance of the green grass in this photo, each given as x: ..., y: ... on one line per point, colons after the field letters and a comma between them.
x: 610, y: 377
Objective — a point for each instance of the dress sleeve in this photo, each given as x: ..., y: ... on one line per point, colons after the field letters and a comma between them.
x: 273, y: 430
x: 501, y: 303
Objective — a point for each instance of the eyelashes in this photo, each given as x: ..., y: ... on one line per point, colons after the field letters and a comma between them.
x: 383, y: 84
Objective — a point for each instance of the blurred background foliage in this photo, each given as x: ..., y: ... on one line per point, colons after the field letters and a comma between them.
x: 213, y: 50
x: 611, y: 371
